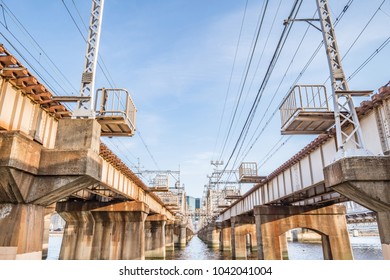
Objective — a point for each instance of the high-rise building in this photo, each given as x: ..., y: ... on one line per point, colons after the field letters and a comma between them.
x: 191, y: 204
x: 197, y: 203
x: 193, y: 209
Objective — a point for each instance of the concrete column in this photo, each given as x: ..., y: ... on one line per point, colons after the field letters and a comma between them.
x: 284, y: 246
x: 77, y: 237
x: 252, y: 236
x: 182, y: 236
x: 226, y: 236
x: 98, y: 231
x: 134, y: 234
x: 274, y: 221
x: 46, y: 230
x: 383, y: 220
x: 189, y: 234
x: 118, y: 235
x: 169, y: 242
x: 241, y: 226
x: 155, y: 237
x: 19, y: 223
x: 213, y: 231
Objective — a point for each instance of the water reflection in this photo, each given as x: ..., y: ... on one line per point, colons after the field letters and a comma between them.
x: 364, y: 248
x: 196, y: 249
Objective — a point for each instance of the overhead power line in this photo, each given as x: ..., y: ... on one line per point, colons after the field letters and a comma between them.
x: 245, y: 76
x: 278, y: 49
x: 231, y: 76
x: 340, y: 16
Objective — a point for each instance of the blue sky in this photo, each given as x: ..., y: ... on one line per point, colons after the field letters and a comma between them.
x: 176, y: 58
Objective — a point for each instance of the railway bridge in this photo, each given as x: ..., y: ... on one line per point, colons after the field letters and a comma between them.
x: 50, y: 161
x: 308, y: 190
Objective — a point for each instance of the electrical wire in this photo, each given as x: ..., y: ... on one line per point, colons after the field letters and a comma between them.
x: 278, y: 49
x: 299, y: 76
x: 245, y: 77
x: 377, y: 51
x: 231, y: 76
x: 36, y: 45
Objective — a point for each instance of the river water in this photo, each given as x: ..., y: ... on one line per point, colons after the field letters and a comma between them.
x: 363, y: 247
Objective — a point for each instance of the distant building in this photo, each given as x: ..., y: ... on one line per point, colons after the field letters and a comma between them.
x: 197, y: 203
x: 193, y: 209
x: 191, y: 203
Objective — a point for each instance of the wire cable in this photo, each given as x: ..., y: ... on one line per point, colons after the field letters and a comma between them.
x: 245, y: 77
x: 231, y: 76
x: 278, y: 49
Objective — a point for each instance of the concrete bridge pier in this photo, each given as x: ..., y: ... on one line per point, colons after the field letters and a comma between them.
x: 272, y: 222
x: 226, y: 236
x: 46, y: 230
x: 213, y: 232
x: 180, y: 236
x: 365, y: 180
x: 169, y: 240
x: 155, y: 237
x: 183, y: 236
x: 383, y: 220
x: 202, y: 234
x: 189, y: 234
x: 284, y: 246
x: 21, y: 231
x: 101, y: 231
x: 242, y: 226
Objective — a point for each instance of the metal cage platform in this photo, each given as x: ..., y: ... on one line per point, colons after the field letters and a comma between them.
x: 306, y: 111
x: 248, y: 173
x: 115, y: 112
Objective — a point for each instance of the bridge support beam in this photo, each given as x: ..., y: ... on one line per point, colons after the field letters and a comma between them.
x: 21, y: 231
x: 226, y: 236
x: 365, y: 180
x: 100, y: 231
x: 169, y: 240
x: 242, y: 226
x: 155, y: 237
x: 272, y: 222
